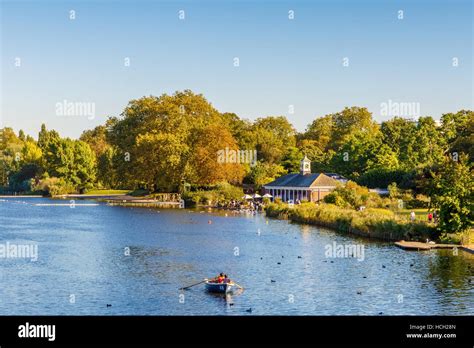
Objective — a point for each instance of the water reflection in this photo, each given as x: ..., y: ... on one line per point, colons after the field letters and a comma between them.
x: 451, y: 271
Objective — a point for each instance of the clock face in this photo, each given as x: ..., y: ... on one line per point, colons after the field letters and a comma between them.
x: 306, y: 166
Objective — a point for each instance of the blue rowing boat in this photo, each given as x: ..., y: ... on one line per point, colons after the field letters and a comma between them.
x: 219, y: 287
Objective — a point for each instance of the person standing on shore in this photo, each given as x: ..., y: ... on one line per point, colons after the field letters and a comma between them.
x: 430, y: 217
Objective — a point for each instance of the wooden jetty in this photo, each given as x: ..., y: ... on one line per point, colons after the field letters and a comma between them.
x: 428, y: 246
x: 146, y: 204
x: 161, y: 200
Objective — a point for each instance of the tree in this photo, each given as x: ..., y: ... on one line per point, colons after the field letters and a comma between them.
x: 458, y: 130
x: 45, y: 138
x: 291, y: 160
x: 274, y: 136
x: 429, y: 145
x: 351, y: 121
x: 263, y: 173
x: 211, y: 161
x: 453, y: 194
x: 21, y: 135
x: 400, y: 135
x: 31, y: 153
x: 84, y: 167
x: 384, y: 158
x: 320, y: 132
x: 156, y: 138
x: 241, y: 130
x: 320, y: 159
x: 10, y: 154
x: 97, y: 139
x: 29, y: 168
x: 73, y: 161
x: 356, y: 154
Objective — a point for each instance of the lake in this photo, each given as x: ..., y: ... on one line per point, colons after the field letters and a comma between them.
x: 136, y: 259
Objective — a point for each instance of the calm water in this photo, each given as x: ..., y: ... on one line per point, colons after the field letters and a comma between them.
x: 81, y: 253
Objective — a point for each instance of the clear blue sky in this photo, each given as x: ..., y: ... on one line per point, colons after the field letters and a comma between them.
x: 282, y: 62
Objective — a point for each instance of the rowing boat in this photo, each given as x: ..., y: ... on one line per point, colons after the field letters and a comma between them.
x: 219, y: 287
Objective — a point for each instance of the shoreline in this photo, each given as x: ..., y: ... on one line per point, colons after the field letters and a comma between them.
x: 363, y: 223
x: 22, y: 196
x: 282, y: 214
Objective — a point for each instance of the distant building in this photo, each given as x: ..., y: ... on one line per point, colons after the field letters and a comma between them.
x: 304, y: 185
x: 379, y: 191
x: 337, y: 177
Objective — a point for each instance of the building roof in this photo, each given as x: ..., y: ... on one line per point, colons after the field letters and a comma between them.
x: 338, y: 177
x: 300, y: 180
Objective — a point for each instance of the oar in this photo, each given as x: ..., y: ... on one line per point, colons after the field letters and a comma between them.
x: 187, y: 287
x: 237, y: 285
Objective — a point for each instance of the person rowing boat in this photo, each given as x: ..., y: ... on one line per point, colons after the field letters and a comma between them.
x: 221, y: 278
x: 220, y: 284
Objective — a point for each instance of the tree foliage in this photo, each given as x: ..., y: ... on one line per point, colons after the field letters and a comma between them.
x: 453, y: 194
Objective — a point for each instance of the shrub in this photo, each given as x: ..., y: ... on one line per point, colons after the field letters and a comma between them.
x: 349, y: 195
x: 371, y: 222
x: 221, y: 193
x: 54, y: 186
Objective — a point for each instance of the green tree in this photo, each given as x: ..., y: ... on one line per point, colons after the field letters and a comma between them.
x: 10, y: 154
x: 428, y: 148
x: 355, y: 156
x: 320, y: 132
x: 349, y: 122
x: 21, y: 135
x: 97, y: 140
x: 73, y: 161
x: 400, y: 135
x: 453, y: 194
x: 31, y: 153
x: 320, y: 159
x: 241, y: 130
x: 458, y: 130
x: 263, y: 173
x: 383, y: 158
x: 291, y: 160
x: 274, y: 136
x: 155, y: 137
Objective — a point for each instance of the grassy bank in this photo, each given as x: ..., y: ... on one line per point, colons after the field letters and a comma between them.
x: 373, y: 223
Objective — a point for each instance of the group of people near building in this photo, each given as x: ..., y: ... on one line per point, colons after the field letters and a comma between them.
x: 239, y: 205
